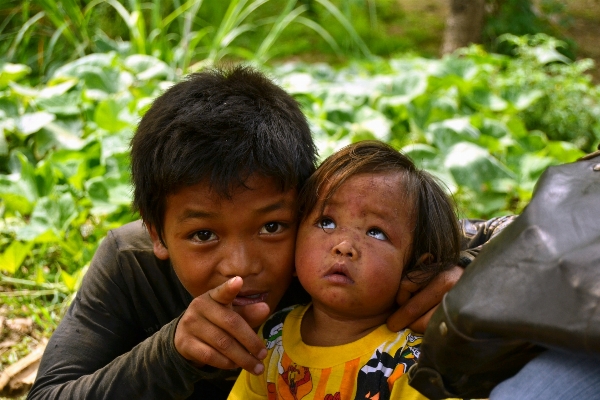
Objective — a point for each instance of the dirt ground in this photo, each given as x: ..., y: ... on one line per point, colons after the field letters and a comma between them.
x: 583, y: 23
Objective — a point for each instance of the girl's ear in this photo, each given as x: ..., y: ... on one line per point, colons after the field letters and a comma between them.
x: 416, y: 274
x: 426, y: 258
x: 160, y: 251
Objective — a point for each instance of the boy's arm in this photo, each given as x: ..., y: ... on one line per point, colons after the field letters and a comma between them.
x: 417, y: 303
x: 101, y: 349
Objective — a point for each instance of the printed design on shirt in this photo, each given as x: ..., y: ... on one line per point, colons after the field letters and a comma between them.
x: 376, y: 378
x: 293, y: 381
x: 336, y: 396
x: 297, y: 380
x: 273, y: 327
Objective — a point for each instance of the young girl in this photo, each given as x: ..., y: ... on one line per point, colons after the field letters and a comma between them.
x: 369, y: 218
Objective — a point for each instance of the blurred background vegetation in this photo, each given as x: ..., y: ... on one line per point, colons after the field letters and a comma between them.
x: 485, y: 94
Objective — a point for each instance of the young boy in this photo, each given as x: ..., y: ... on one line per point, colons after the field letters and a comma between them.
x: 217, y: 162
x: 369, y: 217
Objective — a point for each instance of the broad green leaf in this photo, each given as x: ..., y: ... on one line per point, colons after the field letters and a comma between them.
x: 33, y: 122
x: 564, y: 152
x: 98, y: 192
x: 58, y: 137
x: 53, y: 214
x: 423, y: 155
x: 373, y: 122
x: 69, y: 103
x: 147, y: 67
x: 546, y: 55
x: 493, y: 127
x: 451, y: 131
x: 473, y: 167
x: 531, y: 167
x: 524, y: 100
x: 115, y: 144
x: 22, y: 181
x: 484, y: 99
x: 8, y: 107
x: 14, y: 255
x: 75, y: 68
x: 108, y: 116
x: 45, y: 178
x: 13, y: 202
x: 12, y: 73
x: 409, y: 85
x: 58, y: 89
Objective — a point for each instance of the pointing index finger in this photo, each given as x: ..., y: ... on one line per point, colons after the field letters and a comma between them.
x: 226, y: 292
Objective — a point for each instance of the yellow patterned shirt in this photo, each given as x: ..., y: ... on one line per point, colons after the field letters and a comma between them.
x: 373, y: 367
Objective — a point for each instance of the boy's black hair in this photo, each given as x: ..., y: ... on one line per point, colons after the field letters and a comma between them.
x: 436, y: 228
x: 221, y: 126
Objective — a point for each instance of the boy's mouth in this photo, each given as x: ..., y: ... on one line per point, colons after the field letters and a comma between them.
x: 244, y: 299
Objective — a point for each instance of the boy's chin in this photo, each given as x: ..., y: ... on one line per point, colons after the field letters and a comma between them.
x: 254, y: 314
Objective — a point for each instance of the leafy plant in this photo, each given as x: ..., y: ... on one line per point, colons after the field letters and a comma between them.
x: 486, y: 124
x: 180, y: 34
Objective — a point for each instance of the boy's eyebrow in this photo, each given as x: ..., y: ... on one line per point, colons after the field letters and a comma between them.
x: 195, y: 214
x: 199, y: 214
x: 272, y: 207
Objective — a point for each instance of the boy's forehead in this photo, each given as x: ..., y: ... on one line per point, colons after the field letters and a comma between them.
x: 256, y: 186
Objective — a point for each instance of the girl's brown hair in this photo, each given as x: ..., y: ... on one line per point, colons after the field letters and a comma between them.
x: 435, y: 222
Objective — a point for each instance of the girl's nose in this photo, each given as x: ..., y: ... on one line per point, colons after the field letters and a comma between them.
x: 345, y: 248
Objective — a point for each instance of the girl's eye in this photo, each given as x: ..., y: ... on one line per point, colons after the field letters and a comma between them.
x: 326, y: 224
x: 204, y: 236
x: 377, y: 234
x: 272, y: 227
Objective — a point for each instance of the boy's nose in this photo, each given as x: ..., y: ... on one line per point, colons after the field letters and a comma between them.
x: 239, y: 261
x: 345, y: 248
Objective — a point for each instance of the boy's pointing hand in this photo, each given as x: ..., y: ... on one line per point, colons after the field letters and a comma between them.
x: 211, y: 333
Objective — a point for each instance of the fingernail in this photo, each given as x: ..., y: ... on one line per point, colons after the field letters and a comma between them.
x: 233, y: 279
x: 259, y: 369
x: 262, y: 354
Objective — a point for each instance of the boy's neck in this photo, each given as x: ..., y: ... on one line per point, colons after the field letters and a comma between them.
x: 324, y: 327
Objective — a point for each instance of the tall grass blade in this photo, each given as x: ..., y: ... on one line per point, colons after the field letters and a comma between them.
x: 322, y: 32
x: 286, y: 17
x: 19, y: 37
x: 347, y: 25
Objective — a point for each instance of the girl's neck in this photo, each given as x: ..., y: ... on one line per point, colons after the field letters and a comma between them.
x: 324, y: 327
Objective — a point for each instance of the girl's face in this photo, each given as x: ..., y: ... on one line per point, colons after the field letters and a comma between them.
x: 350, y: 259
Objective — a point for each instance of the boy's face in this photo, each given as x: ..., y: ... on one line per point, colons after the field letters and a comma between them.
x: 210, y: 239
x: 350, y: 259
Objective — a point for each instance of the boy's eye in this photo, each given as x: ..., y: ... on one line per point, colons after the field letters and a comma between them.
x: 326, y: 224
x: 272, y: 227
x: 204, y: 236
x: 377, y: 234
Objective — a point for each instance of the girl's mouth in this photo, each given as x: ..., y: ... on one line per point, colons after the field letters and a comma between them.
x: 339, y: 274
x: 247, y: 299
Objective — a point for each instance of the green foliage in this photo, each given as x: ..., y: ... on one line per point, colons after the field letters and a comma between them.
x: 486, y: 124
x: 64, y: 165
x: 523, y: 17
x: 43, y: 34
